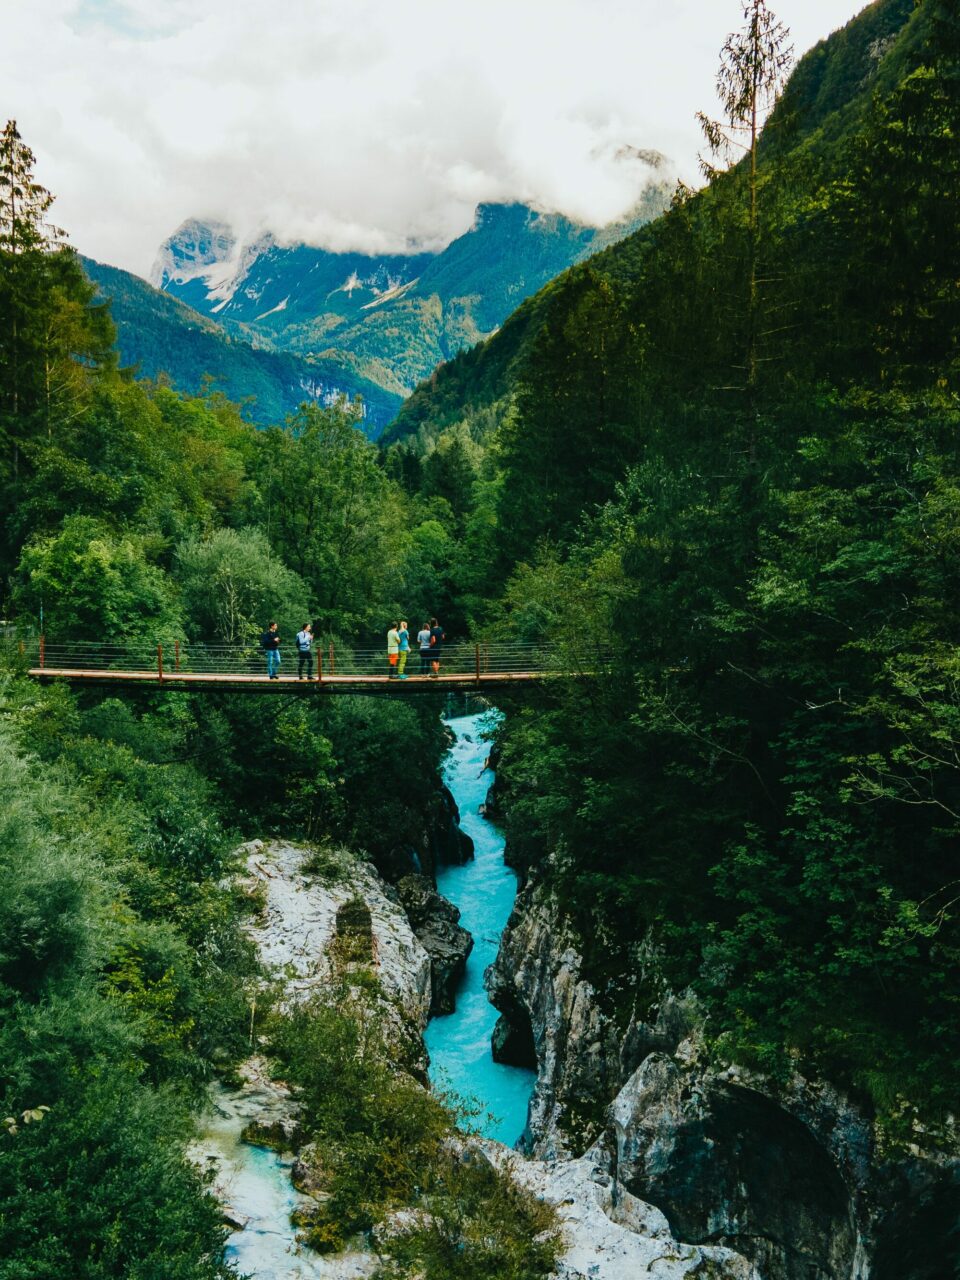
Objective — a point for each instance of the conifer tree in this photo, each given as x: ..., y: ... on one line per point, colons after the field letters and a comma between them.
x: 24, y: 203
x: 25, y: 239
x: 754, y: 63
x: 53, y: 338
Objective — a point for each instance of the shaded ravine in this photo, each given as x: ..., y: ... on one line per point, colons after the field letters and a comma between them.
x: 484, y: 890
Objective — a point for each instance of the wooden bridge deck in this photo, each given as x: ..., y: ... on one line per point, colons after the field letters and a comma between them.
x: 211, y: 681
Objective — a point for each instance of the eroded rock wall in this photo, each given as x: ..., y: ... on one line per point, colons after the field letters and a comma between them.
x: 792, y: 1176
x: 537, y: 985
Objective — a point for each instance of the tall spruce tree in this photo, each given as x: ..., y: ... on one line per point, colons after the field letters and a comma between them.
x: 754, y: 64
x: 25, y: 240
x: 53, y: 338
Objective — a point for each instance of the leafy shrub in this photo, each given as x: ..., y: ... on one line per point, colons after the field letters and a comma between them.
x: 379, y: 1142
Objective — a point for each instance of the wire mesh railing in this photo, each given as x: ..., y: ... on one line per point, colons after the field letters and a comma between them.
x: 328, y: 661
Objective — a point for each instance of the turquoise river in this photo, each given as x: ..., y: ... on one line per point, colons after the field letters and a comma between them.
x: 484, y: 889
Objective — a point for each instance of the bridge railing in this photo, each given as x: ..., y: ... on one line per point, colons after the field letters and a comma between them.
x: 180, y: 657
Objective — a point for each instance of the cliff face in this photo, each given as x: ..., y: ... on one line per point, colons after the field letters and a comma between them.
x: 793, y: 1177
x: 537, y: 986
x: 440, y: 842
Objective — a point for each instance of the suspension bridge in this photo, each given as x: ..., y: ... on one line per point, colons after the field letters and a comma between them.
x: 468, y: 667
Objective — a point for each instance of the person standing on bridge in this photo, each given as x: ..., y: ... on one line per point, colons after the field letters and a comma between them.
x: 404, y: 633
x: 437, y: 637
x: 393, y: 651
x: 423, y: 640
x: 305, y: 651
x: 270, y: 642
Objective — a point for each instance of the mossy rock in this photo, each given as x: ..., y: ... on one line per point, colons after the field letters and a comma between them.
x: 326, y: 864
x: 354, y: 941
x: 275, y: 1136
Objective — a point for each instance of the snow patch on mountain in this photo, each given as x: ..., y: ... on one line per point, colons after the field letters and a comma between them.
x: 396, y: 290
x: 281, y: 306
x: 207, y: 254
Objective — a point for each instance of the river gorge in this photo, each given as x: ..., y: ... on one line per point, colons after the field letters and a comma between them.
x: 763, y: 1182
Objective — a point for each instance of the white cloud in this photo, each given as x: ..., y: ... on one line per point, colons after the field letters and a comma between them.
x: 356, y: 123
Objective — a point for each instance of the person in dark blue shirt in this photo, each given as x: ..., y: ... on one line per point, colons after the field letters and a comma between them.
x: 437, y: 637
x: 270, y: 643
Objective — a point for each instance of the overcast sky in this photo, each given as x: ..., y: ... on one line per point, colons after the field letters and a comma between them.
x: 368, y: 124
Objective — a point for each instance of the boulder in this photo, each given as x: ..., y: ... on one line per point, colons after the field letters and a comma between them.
x: 434, y: 921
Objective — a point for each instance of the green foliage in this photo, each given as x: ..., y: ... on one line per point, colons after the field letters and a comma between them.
x: 233, y: 584
x: 377, y: 1129
x: 479, y: 1225
x: 379, y: 1142
x: 96, y: 1008
x: 130, y: 1207
x: 724, y: 477
x: 92, y: 585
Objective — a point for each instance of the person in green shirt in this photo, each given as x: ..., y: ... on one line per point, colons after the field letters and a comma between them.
x: 404, y: 650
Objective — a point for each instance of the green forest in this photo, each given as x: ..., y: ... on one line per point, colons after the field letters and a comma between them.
x: 718, y: 465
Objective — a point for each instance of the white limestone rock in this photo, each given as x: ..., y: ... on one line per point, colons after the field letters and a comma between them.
x: 296, y: 929
x: 608, y: 1233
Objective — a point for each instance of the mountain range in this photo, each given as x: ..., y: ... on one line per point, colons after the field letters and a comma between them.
x: 388, y: 318
x: 273, y: 325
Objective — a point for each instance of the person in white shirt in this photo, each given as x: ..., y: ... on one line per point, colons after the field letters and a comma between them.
x: 423, y: 640
x: 305, y: 651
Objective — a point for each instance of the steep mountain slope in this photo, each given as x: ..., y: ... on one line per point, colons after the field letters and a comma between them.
x: 161, y: 335
x: 264, y: 283
x: 389, y: 318
x: 823, y: 103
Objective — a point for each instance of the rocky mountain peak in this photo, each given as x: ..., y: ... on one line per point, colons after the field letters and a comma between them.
x: 196, y: 244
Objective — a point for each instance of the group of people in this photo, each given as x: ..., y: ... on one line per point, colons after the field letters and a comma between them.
x: 270, y: 644
x: 430, y: 640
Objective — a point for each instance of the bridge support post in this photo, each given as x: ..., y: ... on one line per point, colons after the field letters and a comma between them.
x: 477, y: 656
x: 333, y: 669
x: 319, y: 666
x: 159, y: 661
x: 43, y: 651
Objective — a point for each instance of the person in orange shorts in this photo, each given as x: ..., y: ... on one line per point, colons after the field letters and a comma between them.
x: 393, y: 651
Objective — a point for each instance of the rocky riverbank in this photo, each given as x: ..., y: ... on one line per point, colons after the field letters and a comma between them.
x: 305, y: 906
x: 302, y: 902
x: 794, y: 1176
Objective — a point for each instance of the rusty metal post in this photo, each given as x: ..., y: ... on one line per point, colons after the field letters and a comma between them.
x: 160, y: 661
x: 333, y: 668
x: 43, y: 651
x: 477, y: 655
x: 319, y: 666
x: 176, y: 657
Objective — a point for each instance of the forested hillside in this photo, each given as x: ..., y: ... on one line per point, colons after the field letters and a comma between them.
x: 726, y: 451
x: 160, y: 337
x: 717, y: 467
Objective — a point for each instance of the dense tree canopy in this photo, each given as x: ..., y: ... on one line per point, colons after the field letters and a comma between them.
x: 719, y: 466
